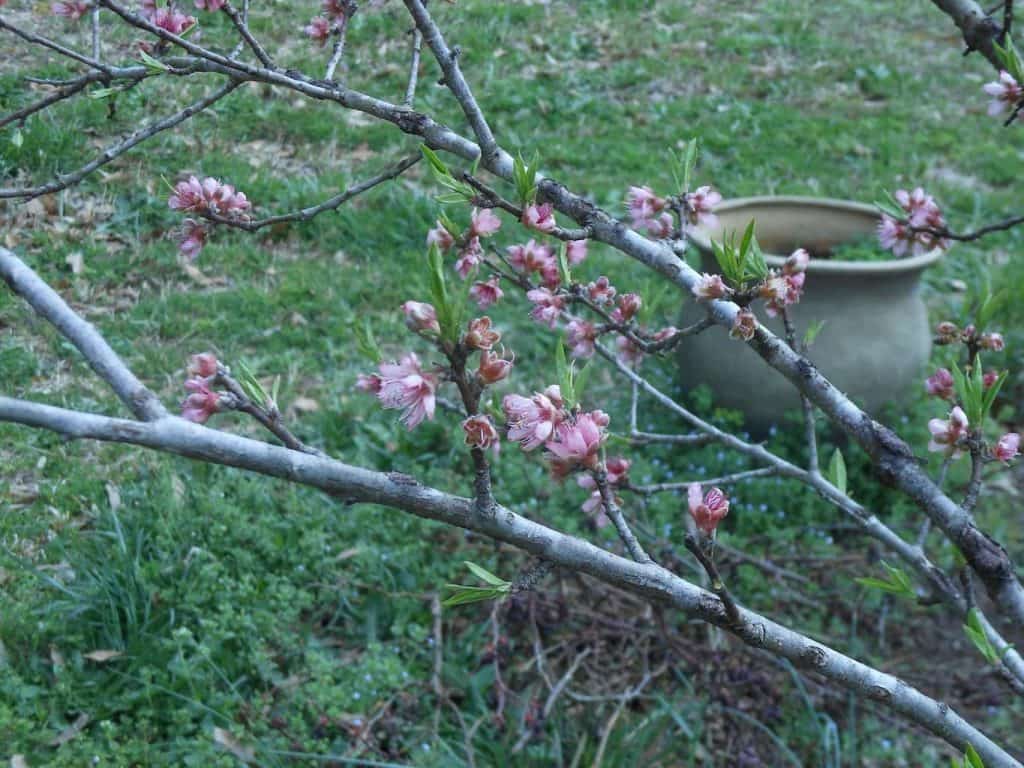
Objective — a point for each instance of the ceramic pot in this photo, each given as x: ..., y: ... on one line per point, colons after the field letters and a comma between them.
x: 876, y: 339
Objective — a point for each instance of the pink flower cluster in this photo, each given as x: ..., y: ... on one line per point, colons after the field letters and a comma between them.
x: 335, y: 17
x: 949, y: 436
x: 707, y: 510
x: 483, y: 223
x: 617, y: 475
x: 170, y: 19
x: 647, y: 211
x: 534, y: 257
x: 902, y: 236
x: 785, y: 289
x: 699, y: 205
x: 208, y: 197
x: 201, y: 402
x: 72, y: 10
x: 1006, y: 93
x: 403, y: 386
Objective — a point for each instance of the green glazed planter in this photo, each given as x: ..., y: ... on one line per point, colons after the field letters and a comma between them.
x: 876, y: 339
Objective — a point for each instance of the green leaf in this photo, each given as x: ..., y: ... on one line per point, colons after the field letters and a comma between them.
x: 882, y: 584
x: 898, y: 582
x: 972, y: 758
x: 484, y: 575
x: 563, y: 264
x: 434, y: 160
x: 977, y: 635
x: 449, y: 312
x: 837, y: 471
x: 813, y: 329
x: 103, y: 93
x: 252, y: 388
x: 152, y: 64
x: 464, y: 595
x: 890, y: 209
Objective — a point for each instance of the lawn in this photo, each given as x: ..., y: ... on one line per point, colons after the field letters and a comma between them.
x: 308, y: 629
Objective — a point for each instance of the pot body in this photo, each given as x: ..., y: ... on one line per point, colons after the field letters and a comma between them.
x: 875, y: 340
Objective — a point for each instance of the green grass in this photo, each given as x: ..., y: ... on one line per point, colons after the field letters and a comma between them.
x: 290, y: 619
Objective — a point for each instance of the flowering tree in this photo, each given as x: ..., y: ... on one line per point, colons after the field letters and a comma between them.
x: 544, y: 267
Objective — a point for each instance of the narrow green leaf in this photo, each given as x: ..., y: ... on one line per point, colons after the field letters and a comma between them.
x: 484, y: 575
x: 837, y: 471
x: 563, y: 264
x: 882, y: 584
x: 153, y: 64
x: 972, y: 758
x: 813, y: 329
x: 464, y: 595
x: 434, y: 160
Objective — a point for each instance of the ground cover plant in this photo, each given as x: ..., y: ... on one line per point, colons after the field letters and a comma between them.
x: 165, y: 611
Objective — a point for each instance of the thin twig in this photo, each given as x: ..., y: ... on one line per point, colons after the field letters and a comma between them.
x: 414, y: 69
x: 30, y: 37
x: 240, y: 21
x: 716, y: 584
x: 614, y: 513
x: 737, y: 477
x: 339, y: 51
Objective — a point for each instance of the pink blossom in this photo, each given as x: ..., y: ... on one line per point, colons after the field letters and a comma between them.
x: 580, y: 337
x: 532, y: 257
x: 922, y: 212
x: 191, y: 238
x: 643, y: 204
x: 616, y: 473
x: 480, y: 432
x: 404, y: 385
x: 575, y: 252
x: 539, y: 217
x: 547, y: 306
x: 601, y: 291
x: 894, y: 236
x: 337, y: 10
x: 421, y: 317
x: 440, y: 237
x: 532, y: 420
x: 666, y: 333
x: 797, y: 262
x: 989, y: 379
x: 172, y: 20
x: 940, y: 384
x: 660, y: 226
x: 147, y: 9
x: 210, y: 5
x: 993, y: 341
x: 469, y: 257
x: 699, y: 204
x: 201, y: 404
x: 72, y: 10
x: 947, y: 435
x: 483, y: 222
x: 782, y: 291
x: 493, y: 367
x: 486, y: 293
x: 947, y: 332
x: 1008, y: 447
x: 710, y: 287
x: 318, y: 30
x: 202, y: 366
x: 209, y: 196
x: 744, y: 325
x: 480, y: 335
x: 550, y: 275
x: 628, y: 351
x: 629, y: 305
x: 707, y: 511
x: 1005, y: 93
x: 369, y: 382
x: 577, y: 442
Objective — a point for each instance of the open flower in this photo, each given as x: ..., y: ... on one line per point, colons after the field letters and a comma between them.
x: 172, y: 20
x: 318, y: 30
x: 922, y: 213
x: 546, y: 306
x: 493, y: 367
x: 660, y: 226
x: 940, y: 384
x: 710, y: 287
x: 531, y: 257
x: 708, y: 510
x: 532, y: 420
x: 483, y: 222
x: 617, y: 473
x: 404, y: 385
x: 629, y: 305
x: 480, y: 432
x: 201, y: 403
x: 485, y: 293
x: 643, y: 204
x: 1005, y: 93
x: 580, y: 336
x: 577, y: 442
x: 540, y: 217
x: 948, y: 436
x: 575, y: 252
x: 440, y: 237
x: 469, y: 257
x: 699, y: 204
x: 744, y: 325
x: 209, y: 196
x: 797, y: 262
x: 480, y: 335
x: 421, y: 317
x: 601, y: 291
x: 191, y: 238
x: 1008, y: 447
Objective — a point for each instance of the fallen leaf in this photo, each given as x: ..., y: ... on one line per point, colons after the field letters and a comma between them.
x: 101, y: 656
x: 233, y: 745
x: 71, y: 731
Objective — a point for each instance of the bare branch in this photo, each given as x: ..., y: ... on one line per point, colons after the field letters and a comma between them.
x: 414, y: 69
x: 978, y: 28
x: 738, y: 477
x: 30, y: 37
x: 242, y: 25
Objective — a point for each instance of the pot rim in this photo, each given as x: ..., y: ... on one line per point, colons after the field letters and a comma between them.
x: 822, y: 266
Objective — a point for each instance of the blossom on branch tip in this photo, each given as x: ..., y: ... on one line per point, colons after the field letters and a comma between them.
x: 601, y: 291
x: 486, y: 293
x: 1008, y: 447
x: 201, y: 403
x: 404, y: 385
x: 547, y: 306
x: 629, y: 305
x: 940, y: 384
x: 643, y: 204
x: 577, y: 443
x: 202, y: 366
x: 480, y: 335
x: 744, y: 325
x: 710, y: 287
x: 797, y: 262
x: 483, y: 222
x: 580, y: 336
x: 441, y: 237
x: 1006, y: 92
x: 493, y: 367
x: 708, y: 510
x: 947, y: 436
x: 539, y: 217
x: 318, y: 30
x: 922, y: 213
x: 480, y: 432
x: 172, y: 20
x: 575, y: 252
x: 627, y: 351
x: 209, y: 196
x: 532, y: 420
x: 191, y: 238
x: 698, y: 205
x: 531, y: 257
x: 469, y: 257
x: 72, y: 10
x: 421, y: 317
x: 781, y: 291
